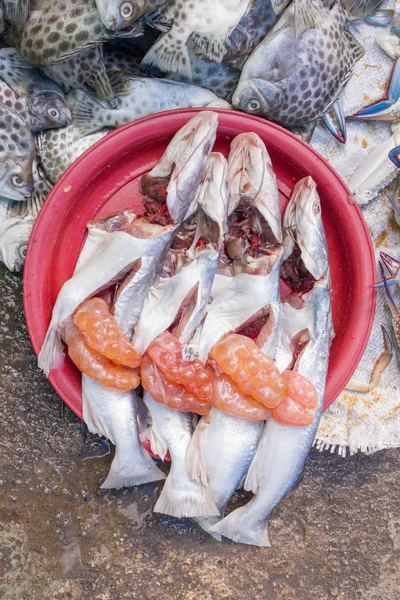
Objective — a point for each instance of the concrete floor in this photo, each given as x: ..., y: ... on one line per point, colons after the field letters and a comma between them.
x: 337, y: 536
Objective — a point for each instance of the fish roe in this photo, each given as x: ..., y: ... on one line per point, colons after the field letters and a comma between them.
x: 173, y: 395
x: 166, y: 352
x: 228, y: 399
x: 255, y: 374
x: 298, y: 406
x: 97, y: 367
x: 102, y: 334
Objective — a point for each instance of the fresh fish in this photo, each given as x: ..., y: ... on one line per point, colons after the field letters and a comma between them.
x: 17, y: 220
x: 118, y: 252
x: 59, y: 148
x: 118, y: 14
x: 297, y: 73
x: 209, y: 24
x: 65, y: 37
x: 188, y: 285
x: 223, y: 445
x: 16, y: 11
x: 306, y: 325
x: 377, y: 171
x: 140, y: 97
x: 17, y: 150
x: 249, y: 32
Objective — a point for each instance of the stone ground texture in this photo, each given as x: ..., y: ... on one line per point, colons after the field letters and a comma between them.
x: 336, y: 536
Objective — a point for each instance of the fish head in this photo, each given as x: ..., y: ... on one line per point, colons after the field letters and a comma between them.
x: 49, y: 110
x: 257, y: 96
x: 118, y: 14
x: 16, y: 179
x: 14, y: 243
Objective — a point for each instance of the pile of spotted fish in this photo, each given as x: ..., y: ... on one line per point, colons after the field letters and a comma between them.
x: 72, y: 70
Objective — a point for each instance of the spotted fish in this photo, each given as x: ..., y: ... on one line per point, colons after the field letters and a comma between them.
x: 65, y: 36
x: 118, y: 14
x: 17, y: 220
x: 207, y: 22
x: 17, y: 150
x: 252, y: 28
x: 140, y: 96
x: 295, y: 78
x: 59, y: 148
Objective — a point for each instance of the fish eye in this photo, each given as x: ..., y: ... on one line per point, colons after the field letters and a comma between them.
x: 17, y: 181
x: 254, y: 105
x: 53, y: 112
x: 126, y: 10
x: 22, y: 250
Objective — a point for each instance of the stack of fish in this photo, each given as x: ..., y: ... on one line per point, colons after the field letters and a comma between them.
x: 73, y: 69
x: 190, y: 297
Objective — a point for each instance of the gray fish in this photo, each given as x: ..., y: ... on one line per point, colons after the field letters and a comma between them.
x: 223, y: 445
x: 17, y: 150
x: 139, y: 97
x: 3, y: 23
x: 16, y: 11
x: 59, y: 148
x: 208, y: 23
x: 283, y: 450
x: 298, y: 72
x: 59, y: 32
x: 17, y: 220
x: 250, y: 31
x: 118, y: 14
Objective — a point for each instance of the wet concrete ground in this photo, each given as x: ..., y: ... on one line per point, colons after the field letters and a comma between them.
x: 337, y: 536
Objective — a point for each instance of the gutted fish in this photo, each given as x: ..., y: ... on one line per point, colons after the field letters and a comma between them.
x: 223, y: 445
x: 305, y: 336
x: 207, y: 23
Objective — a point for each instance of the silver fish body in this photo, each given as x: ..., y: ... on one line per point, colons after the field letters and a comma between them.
x: 295, y: 80
x: 283, y: 450
x: 141, y: 96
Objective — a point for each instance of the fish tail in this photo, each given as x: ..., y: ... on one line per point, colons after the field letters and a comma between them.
x: 88, y: 114
x: 126, y: 472
x: 239, y: 526
x: 51, y: 355
x: 359, y: 9
x: 205, y: 523
x: 17, y: 11
x: 183, y: 497
x: 166, y: 57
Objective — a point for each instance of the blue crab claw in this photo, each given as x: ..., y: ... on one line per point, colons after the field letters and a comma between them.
x: 393, y: 155
x: 393, y: 266
x: 383, y: 110
x: 393, y: 308
x: 335, y: 121
x: 394, y: 204
x: 381, y: 18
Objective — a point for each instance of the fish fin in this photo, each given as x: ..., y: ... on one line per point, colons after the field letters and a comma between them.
x: 51, y: 355
x: 304, y: 132
x: 359, y: 9
x: 157, y: 444
x: 240, y: 527
x: 164, y: 56
x: 183, y: 497
x: 88, y: 113
x: 120, y: 85
x: 194, y: 461
x: 16, y: 11
x: 99, y: 81
x: 205, y: 524
x: 358, y: 50
x: 251, y: 479
x: 212, y: 47
x: 20, y: 76
x: 125, y: 472
x: 307, y: 15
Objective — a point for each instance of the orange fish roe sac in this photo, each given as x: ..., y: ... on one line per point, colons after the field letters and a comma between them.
x: 228, y: 399
x: 95, y: 366
x: 102, y: 334
x: 254, y: 373
x: 165, y: 392
x: 166, y: 352
x: 298, y: 406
